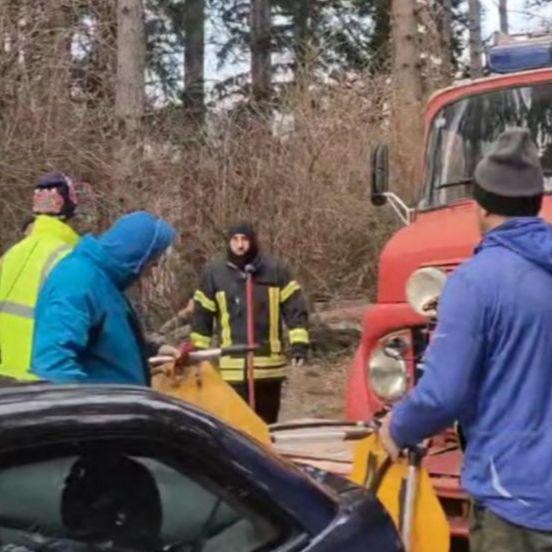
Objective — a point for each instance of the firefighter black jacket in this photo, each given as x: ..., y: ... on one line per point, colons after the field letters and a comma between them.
x: 220, y: 301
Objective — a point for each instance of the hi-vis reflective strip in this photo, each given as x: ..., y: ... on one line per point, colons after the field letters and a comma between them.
x: 298, y: 335
x: 289, y: 290
x: 54, y: 256
x: 274, y: 310
x: 260, y: 362
x: 16, y: 309
x: 200, y: 341
x: 232, y: 369
x: 259, y: 373
x: 204, y: 301
x: 226, y: 336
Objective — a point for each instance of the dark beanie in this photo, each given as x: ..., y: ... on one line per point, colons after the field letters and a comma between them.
x: 55, y: 195
x: 245, y: 229
x: 509, y: 180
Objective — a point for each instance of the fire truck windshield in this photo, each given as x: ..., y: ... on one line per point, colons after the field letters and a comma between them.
x: 462, y: 132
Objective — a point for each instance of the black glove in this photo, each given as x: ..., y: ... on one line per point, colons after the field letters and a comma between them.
x: 299, y: 354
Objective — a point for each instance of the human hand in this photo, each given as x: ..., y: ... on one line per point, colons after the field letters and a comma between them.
x: 385, y: 437
x: 168, y: 350
x: 299, y: 354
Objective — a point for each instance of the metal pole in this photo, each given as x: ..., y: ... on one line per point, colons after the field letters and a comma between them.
x: 250, y: 360
x: 414, y: 459
x: 321, y: 435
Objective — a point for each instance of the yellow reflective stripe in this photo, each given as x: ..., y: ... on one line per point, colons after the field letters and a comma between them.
x: 274, y: 312
x: 298, y: 335
x: 200, y: 341
x: 225, y: 334
x: 260, y: 373
x: 231, y: 363
x: 289, y: 290
x: 204, y: 301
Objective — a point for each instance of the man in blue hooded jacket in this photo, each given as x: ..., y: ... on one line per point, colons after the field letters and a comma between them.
x: 489, y: 364
x: 86, y: 331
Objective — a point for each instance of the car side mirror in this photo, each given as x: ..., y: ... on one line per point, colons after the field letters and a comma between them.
x: 380, y: 175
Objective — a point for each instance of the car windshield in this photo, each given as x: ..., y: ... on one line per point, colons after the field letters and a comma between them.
x: 462, y: 132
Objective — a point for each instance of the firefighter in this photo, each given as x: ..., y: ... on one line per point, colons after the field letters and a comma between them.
x: 277, y: 298
x: 24, y: 267
x: 489, y: 362
x: 86, y: 329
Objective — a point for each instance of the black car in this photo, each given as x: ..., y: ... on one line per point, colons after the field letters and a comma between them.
x: 94, y: 468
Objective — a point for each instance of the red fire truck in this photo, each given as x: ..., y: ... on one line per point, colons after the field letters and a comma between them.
x: 440, y: 231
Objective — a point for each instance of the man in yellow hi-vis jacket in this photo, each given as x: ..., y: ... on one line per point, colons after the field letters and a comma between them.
x: 26, y: 265
x: 277, y: 299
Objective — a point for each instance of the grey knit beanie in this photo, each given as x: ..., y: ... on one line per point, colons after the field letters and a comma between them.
x: 512, y: 169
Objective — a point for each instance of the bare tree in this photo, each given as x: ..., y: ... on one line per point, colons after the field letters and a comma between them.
x: 129, y: 89
x: 503, y: 13
x: 194, y: 58
x: 261, y: 66
x: 476, y: 42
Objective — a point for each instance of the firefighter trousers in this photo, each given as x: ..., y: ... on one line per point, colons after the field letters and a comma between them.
x: 267, y: 397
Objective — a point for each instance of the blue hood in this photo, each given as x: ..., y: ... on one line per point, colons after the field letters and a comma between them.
x: 530, y: 237
x: 129, y: 245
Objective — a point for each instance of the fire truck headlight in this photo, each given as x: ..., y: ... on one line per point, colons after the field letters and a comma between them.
x: 423, y: 289
x: 387, y: 371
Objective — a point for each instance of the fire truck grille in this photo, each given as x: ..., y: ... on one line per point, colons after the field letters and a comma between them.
x: 420, y: 341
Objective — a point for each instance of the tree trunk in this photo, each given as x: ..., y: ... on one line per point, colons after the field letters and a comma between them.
x: 406, y: 55
x: 407, y: 98
x: 58, y: 54
x: 194, y: 59
x: 129, y: 89
x: 10, y: 59
x: 446, y: 37
x: 261, y: 66
x: 44, y: 52
x: 476, y: 43
x: 301, y: 28
x: 503, y: 13
x: 380, y: 42
x: 99, y: 78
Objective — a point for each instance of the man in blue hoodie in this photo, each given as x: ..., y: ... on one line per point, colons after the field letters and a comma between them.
x: 86, y: 330
x: 489, y: 364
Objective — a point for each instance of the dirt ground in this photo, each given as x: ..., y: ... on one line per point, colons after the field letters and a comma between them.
x: 316, y: 390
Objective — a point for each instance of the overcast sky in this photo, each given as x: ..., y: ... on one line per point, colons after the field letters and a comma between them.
x: 519, y: 17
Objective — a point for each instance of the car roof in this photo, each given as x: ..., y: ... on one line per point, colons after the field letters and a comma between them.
x: 34, y: 396
x: 32, y: 413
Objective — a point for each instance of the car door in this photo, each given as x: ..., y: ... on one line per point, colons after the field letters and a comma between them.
x: 94, y: 494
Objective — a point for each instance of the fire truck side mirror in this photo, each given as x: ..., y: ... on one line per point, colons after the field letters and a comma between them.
x: 380, y: 175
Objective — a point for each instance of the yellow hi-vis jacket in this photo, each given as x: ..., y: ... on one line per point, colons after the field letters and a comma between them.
x: 23, y: 269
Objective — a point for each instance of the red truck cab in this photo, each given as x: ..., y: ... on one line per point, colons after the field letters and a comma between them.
x: 440, y: 232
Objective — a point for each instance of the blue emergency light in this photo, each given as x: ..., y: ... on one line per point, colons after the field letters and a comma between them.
x: 509, y: 58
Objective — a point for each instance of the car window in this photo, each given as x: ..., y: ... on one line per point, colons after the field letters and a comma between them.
x: 109, y: 501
